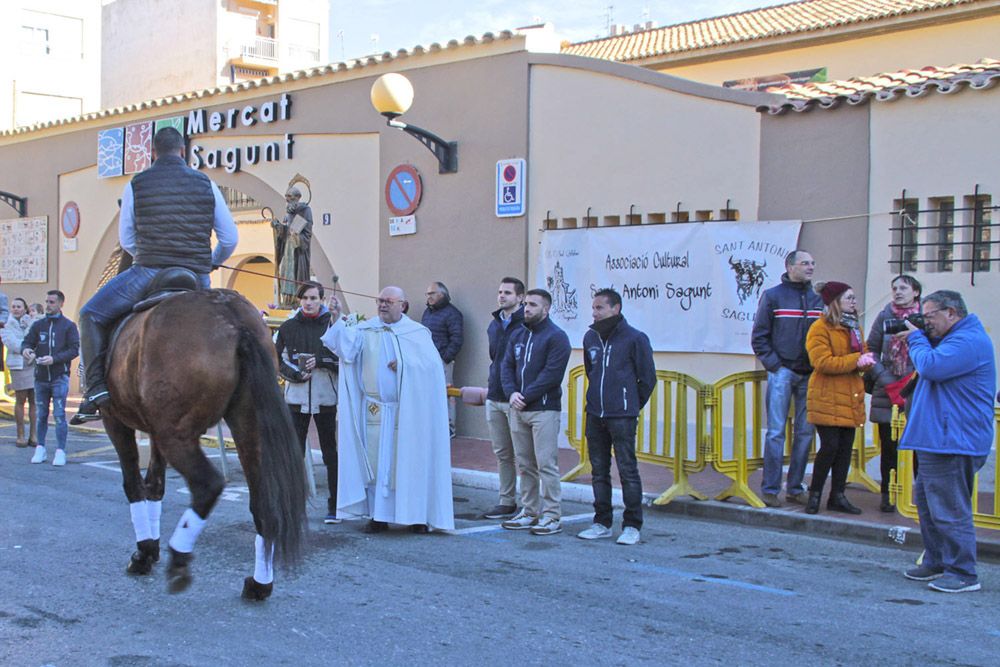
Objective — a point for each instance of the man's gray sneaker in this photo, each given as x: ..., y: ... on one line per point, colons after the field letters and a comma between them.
x: 771, y: 499
x: 520, y: 522
x: 952, y: 583
x: 923, y: 573
x: 547, y: 526
x: 501, y: 512
x: 629, y: 536
x: 595, y: 532
x: 798, y: 498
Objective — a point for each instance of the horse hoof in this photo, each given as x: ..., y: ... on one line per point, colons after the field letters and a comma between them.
x: 256, y: 592
x: 139, y: 564
x: 178, y: 574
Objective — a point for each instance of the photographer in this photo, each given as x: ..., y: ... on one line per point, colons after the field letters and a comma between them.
x: 310, y: 372
x: 891, y: 366
x: 950, y: 429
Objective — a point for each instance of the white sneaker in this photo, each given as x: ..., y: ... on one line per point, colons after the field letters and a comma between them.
x: 522, y: 521
x: 547, y: 526
x: 40, y: 454
x: 629, y: 536
x: 595, y: 532
x: 60, y: 458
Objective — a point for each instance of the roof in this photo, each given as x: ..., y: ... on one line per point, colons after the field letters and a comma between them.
x: 322, y: 71
x: 761, y: 24
x: 886, y: 87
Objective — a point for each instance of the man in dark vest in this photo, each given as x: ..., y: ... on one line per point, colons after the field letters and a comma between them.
x: 168, y: 214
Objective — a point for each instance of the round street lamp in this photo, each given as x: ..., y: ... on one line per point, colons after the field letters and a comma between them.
x: 392, y: 95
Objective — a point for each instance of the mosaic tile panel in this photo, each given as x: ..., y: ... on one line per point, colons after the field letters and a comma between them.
x: 138, y: 147
x: 110, y: 148
x: 177, y: 122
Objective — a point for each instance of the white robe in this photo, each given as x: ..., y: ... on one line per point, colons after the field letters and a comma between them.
x: 410, y: 482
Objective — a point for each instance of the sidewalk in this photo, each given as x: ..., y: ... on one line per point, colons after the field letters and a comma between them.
x: 474, y: 465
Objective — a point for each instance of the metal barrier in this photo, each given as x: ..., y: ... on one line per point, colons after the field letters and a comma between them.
x: 901, y: 479
x: 662, y: 433
x: 6, y: 397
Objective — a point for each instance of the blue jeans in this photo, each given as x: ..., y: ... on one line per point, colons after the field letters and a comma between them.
x: 603, y: 434
x: 943, y: 493
x: 56, y: 390
x: 782, y: 386
x: 122, y: 292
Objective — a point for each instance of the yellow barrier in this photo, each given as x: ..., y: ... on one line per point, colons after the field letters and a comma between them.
x: 5, y: 396
x: 662, y: 435
x: 901, y: 480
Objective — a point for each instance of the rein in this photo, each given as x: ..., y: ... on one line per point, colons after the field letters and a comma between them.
x: 333, y: 289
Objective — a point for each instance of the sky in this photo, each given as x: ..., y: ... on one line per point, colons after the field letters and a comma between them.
x: 363, y: 27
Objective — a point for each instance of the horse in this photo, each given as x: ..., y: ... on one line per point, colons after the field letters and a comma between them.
x: 176, y: 370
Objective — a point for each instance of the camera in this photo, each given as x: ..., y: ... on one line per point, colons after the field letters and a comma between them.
x: 303, y: 358
x: 893, y: 325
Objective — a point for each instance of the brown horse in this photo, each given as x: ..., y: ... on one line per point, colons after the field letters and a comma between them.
x: 174, y: 372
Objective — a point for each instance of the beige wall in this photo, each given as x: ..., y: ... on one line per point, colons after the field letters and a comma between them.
x: 606, y: 142
x: 955, y: 152
x: 944, y: 44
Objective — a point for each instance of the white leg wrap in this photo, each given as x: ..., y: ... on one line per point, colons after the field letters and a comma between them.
x: 263, y: 567
x: 153, y: 508
x: 140, y: 520
x: 187, y: 532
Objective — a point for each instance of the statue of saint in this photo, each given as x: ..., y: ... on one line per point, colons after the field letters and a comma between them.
x: 292, y: 242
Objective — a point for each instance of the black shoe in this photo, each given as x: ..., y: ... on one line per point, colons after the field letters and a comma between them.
x: 374, y: 526
x: 501, y: 512
x: 886, y: 505
x: 90, y: 407
x: 812, y: 505
x: 838, y: 502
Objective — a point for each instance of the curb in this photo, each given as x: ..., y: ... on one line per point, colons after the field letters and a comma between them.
x: 898, y: 537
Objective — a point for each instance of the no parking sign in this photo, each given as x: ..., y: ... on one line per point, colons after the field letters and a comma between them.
x: 510, y: 188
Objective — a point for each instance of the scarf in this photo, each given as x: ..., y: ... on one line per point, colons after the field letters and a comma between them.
x: 851, y: 323
x: 896, y: 355
x: 606, y: 326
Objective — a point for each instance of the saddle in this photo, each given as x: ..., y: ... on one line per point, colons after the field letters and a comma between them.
x: 169, y: 282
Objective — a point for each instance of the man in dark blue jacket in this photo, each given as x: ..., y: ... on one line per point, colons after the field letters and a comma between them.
x: 621, y: 376
x: 506, y: 319
x: 445, y: 323
x: 53, y: 343
x: 532, y: 375
x: 949, y: 427
x: 783, y: 318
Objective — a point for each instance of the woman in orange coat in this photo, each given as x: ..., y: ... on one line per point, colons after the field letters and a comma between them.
x: 835, y: 401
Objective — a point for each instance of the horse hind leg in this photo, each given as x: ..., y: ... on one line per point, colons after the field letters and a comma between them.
x: 205, y: 484
x: 147, y: 549
x: 148, y: 552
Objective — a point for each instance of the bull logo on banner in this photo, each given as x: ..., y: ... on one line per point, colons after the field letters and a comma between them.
x: 750, y: 277
x: 563, y: 298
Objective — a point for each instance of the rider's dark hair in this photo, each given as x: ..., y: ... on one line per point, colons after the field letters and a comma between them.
x: 308, y: 285
x: 167, y: 141
x: 613, y: 297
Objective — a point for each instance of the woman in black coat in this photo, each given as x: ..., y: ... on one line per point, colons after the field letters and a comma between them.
x: 893, y: 363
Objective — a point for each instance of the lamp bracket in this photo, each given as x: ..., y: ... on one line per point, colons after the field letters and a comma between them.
x: 19, y: 204
x: 446, y: 152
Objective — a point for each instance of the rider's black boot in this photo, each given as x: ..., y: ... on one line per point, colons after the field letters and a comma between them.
x: 93, y: 348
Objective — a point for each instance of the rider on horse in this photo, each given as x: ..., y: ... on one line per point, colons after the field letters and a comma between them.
x: 168, y: 213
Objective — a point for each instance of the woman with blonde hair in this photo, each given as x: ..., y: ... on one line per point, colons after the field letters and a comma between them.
x: 22, y: 373
x: 835, y: 401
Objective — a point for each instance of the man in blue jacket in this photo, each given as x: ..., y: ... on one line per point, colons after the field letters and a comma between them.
x: 532, y: 375
x: 506, y: 320
x: 950, y: 429
x: 445, y: 323
x: 784, y: 315
x: 621, y: 376
x: 53, y: 343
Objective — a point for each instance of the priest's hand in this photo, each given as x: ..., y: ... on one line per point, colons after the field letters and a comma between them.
x: 392, y: 365
x: 517, y: 401
x: 334, y: 306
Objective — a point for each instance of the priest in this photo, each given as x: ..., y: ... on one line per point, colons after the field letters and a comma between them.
x: 395, y: 449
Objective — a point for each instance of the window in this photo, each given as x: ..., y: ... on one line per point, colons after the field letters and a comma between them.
x: 904, y: 233
x: 982, y: 209
x: 44, y: 34
x: 944, y: 211
x: 35, y: 41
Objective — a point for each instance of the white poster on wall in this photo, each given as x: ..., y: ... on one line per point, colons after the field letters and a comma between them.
x: 24, y: 246
x: 691, y: 287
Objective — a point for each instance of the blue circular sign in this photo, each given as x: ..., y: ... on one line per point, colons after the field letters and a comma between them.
x: 403, y: 189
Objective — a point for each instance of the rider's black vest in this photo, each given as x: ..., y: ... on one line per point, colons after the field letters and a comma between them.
x: 174, y: 215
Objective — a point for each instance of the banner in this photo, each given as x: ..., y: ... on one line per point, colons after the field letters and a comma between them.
x: 691, y: 287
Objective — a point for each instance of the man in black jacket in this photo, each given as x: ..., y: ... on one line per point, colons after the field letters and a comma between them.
x: 621, y: 376
x: 168, y: 214
x: 506, y: 319
x: 783, y: 318
x: 532, y: 375
x: 445, y: 323
x: 53, y: 343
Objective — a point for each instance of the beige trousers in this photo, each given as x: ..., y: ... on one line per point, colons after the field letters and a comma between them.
x: 536, y: 446
x: 498, y: 419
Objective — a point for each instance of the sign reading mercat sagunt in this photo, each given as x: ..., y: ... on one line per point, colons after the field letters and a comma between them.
x: 691, y: 287
x: 124, y: 151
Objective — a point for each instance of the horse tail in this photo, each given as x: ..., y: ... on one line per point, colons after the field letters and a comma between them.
x: 279, y: 504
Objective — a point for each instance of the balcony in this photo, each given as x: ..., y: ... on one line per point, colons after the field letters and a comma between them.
x: 256, y: 53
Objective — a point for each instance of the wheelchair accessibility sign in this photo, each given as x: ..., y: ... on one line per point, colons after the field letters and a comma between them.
x: 510, y: 188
